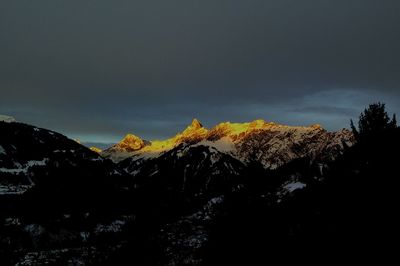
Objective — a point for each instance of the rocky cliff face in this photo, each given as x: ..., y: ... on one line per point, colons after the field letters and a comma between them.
x: 270, y: 144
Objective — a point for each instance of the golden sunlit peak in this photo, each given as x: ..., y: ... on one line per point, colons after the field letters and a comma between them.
x: 194, y: 128
x: 130, y: 137
x: 195, y: 124
x: 131, y: 142
x: 194, y: 131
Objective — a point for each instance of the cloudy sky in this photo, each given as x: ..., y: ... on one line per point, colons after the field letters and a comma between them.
x: 96, y: 69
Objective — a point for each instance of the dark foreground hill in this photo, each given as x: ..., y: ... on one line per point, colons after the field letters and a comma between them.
x: 54, y: 194
x: 353, y: 213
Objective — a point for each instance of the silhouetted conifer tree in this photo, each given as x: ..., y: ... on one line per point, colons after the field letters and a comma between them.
x: 374, y: 119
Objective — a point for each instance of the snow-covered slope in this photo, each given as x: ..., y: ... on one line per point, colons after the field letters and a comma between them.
x: 269, y: 143
x: 190, y: 169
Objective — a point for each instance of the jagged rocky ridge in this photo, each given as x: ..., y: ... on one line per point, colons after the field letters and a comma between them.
x: 270, y: 144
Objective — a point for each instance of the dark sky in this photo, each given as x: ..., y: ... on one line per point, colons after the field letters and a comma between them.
x: 96, y: 70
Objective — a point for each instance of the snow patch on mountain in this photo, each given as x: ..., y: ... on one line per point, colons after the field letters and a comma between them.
x: 225, y: 144
x: 115, y: 226
x: 294, y: 186
x: 2, y: 150
x: 24, y: 168
x: 9, y: 189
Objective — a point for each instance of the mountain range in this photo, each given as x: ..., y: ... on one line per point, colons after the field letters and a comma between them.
x: 235, y: 193
x: 268, y: 143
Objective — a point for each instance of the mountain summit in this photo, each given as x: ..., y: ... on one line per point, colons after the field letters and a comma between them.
x: 195, y: 124
x: 193, y: 133
x: 131, y: 143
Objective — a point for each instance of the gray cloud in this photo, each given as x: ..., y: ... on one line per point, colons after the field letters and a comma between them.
x: 98, y: 69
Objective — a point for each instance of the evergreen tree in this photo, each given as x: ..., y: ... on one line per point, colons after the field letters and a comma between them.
x: 374, y: 119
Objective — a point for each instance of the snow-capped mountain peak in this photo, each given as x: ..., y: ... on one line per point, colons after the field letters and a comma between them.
x: 269, y: 143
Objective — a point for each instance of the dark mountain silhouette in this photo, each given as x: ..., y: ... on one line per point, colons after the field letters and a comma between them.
x: 54, y: 193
